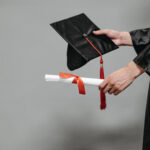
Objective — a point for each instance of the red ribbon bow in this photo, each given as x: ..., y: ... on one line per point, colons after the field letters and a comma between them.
x: 77, y: 80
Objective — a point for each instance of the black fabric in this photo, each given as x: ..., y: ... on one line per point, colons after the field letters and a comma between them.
x: 146, y: 137
x: 141, y: 43
x: 79, y: 51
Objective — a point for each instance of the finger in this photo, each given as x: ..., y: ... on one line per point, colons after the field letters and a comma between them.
x: 101, y: 32
x: 107, y: 88
x: 112, y: 90
x: 103, y: 84
x: 116, y: 92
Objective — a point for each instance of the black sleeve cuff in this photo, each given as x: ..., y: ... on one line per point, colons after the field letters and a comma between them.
x: 141, y: 43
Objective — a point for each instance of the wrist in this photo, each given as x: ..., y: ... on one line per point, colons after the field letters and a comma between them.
x: 126, y: 38
x: 134, y: 69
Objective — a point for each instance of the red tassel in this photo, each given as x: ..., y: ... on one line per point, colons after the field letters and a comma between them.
x: 102, y: 94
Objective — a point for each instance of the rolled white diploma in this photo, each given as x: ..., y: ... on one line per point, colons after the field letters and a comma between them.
x: 86, y: 81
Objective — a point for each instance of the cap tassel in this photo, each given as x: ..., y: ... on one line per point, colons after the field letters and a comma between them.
x: 102, y: 94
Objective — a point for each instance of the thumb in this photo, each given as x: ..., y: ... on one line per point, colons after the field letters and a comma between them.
x: 100, y: 32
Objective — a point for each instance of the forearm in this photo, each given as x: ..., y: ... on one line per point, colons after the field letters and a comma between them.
x: 132, y: 66
x: 125, y: 38
x: 134, y: 69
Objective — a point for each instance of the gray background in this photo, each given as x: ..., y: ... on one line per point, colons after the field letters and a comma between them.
x: 35, y: 115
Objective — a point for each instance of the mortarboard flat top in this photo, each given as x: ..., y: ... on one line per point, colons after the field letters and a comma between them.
x: 74, y: 30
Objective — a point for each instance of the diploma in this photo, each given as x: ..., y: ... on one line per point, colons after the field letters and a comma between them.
x: 86, y: 81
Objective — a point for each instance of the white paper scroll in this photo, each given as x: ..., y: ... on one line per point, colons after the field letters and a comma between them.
x: 87, y: 81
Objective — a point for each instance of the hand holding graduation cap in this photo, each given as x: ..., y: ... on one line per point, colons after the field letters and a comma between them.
x: 119, y: 80
x: 119, y: 38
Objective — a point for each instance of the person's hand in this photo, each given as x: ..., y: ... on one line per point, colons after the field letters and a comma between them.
x: 121, y: 79
x: 119, y: 38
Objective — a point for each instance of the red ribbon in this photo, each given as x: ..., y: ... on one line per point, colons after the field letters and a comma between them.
x: 77, y: 80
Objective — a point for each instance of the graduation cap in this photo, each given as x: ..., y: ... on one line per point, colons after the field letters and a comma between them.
x: 83, y: 45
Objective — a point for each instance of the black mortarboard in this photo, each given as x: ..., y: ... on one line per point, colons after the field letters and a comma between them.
x: 83, y: 45
x: 79, y: 51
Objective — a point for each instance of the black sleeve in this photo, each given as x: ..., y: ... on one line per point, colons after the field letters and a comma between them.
x: 141, y: 44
